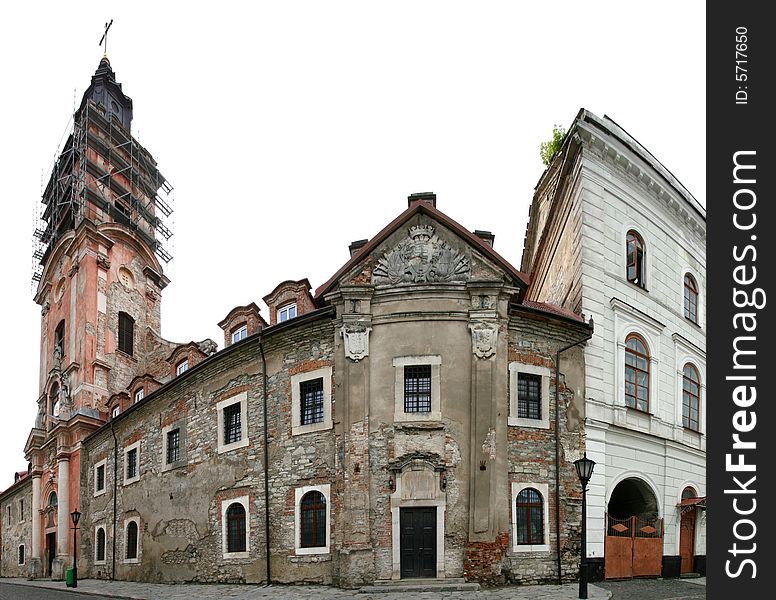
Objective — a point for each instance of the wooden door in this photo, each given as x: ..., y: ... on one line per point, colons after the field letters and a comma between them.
x: 687, y: 541
x: 51, y: 551
x: 418, y: 542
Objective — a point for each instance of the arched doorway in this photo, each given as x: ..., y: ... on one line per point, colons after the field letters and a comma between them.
x: 50, y: 529
x: 634, y: 531
x: 687, y: 531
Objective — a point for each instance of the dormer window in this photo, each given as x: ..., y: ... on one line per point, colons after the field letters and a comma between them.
x: 115, y: 412
x: 182, y: 367
x: 240, y: 334
x: 139, y: 395
x: 286, y: 312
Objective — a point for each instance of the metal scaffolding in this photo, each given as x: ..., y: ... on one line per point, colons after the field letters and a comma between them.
x: 102, y: 174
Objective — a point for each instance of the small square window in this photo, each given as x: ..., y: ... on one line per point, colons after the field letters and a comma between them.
x: 240, y: 334
x: 173, y: 446
x: 286, y: 312
x: 182, y: 367
x: 139, y: 394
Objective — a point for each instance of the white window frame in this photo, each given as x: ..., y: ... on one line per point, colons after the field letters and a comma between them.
x: 127, y: 450
x: 132, y: 561
x: 115, y: 412
x: 543, y: 490
x: 183, y: 459
x: 296, y: 401
x: 225, y: 504
x: 104, y: 464
x: 286, y: 308
x: 23, y: 553
x: 399, y: 363
x: 182, y: 367
x: 105, y: 550
x: 515, y: 368
x: 240, y: 334
x: 299, y: 493
x: 242, y: 399
x: 139, y: 395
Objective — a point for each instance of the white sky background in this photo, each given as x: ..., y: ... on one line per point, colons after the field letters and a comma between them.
x: 290, y: 129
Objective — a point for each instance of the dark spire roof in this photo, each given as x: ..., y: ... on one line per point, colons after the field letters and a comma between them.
x: 105, y: 90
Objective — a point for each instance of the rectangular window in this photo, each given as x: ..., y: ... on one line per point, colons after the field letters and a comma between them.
x: 173, y: 446
x: 287, y: 312
x: 232, y: 423
x: 99, y: 478
x: 311, y: 396
x: 182, y: 367
x: 131, y: 463
x: 240, y: 334
x: 21, y: 509
x: 417, y: 388
x: 115, y: 412
x: 126, y: 333
x: 139, y: 395
x: 529, y: 396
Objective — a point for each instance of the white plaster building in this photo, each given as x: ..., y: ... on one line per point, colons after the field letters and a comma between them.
x: 614, y: 235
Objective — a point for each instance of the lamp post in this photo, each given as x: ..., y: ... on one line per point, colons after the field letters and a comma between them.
x: 584, y: 468
x: 75, y: 516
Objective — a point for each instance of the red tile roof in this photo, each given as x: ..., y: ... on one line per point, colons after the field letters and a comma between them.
x: 553, y: 309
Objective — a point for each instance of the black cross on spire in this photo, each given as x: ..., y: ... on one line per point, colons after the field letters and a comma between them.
x: 104, y: 37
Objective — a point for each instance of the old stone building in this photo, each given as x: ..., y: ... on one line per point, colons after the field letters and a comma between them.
x: 612, y: 233
x: 400, y: 421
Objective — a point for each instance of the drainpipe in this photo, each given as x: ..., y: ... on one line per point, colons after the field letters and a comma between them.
x: 115, y: 484
x: 557, y: 445
x: 266, y: 457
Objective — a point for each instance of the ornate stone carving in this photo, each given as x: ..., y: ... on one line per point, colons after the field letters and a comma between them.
x: 484, y: 339
x: 422, y: 258
x: 356, y: 336
x: 208, y: 346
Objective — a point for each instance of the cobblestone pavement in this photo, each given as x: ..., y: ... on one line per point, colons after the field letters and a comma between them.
x: 154, y: 591
x: 656, y: 589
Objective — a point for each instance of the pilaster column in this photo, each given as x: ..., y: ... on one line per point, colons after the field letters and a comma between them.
x: 35, y: 516
x: 63, y: 504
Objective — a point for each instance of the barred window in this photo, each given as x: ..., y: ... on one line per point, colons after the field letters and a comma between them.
x: 99, y: 553
x: 530, y: 517
x: 691, y: 398
x: 126, y: 333
x: 132, y: 533
x: 529, y: 396
x: 311, y: 397
x: 235, y: 528
x: 313, y: 515
x: 131, y: 463
x: 232, y: 423
x: 173, y: 446
x: 21, y: 554
x: 636, y: 373
x: 99, y: 476
x: 417, y: 388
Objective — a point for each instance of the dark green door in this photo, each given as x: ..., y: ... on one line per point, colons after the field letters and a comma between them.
x: 418, y: 542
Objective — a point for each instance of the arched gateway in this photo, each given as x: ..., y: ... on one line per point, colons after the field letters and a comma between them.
x: 634, y: 531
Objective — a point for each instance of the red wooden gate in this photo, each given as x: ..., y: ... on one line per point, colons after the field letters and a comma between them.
x: 633, y: 547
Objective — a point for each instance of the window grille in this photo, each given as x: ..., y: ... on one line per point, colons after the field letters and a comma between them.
x: 232, y: 423
x: 235, y: 528
x: 173, y: 446
x: 529, y: 396
x: 313, y: 515
x: 311, y: 398
x: 530, y: 517
x: 417, y: 388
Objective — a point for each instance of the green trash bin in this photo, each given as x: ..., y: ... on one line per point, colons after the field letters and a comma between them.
x: 69, y: 579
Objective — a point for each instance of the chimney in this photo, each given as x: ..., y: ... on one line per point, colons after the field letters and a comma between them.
x: 485, y: 236
x: 356, y: 246
x: 429, y: 197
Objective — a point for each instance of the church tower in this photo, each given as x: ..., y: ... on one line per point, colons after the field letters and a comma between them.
x: 99, y: 251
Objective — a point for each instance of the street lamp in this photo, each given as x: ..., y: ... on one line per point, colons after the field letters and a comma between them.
x: 584, y: 468
x: 75, y: 515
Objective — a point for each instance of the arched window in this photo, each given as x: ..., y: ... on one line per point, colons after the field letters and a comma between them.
x: 54, y: 400
x: 635, y: 253
x: 52, y: 500
x: 313, y: 515
x: 21, y: 554
x: 688, y: 493
x: 691, y: 398
x: 235, y: 528
x: 99, y: 550
x: 59, y: 338
x: 636, y: 373
x: 529, y: 526
x: 132, y: 533
x: 690, y: 298
x: 126, y: 333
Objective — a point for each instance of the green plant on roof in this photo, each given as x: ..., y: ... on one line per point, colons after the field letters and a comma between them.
x: 548, y: 149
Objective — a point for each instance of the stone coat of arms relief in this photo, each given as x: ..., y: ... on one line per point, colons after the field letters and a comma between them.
x: 356, y: 337
x: 484, y: 339
x: 422, y: 258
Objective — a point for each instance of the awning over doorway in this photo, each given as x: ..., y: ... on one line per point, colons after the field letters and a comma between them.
x: 689, y: 503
